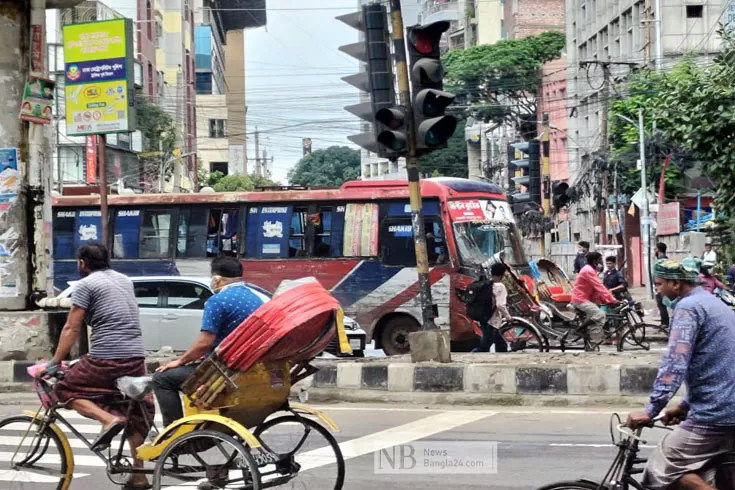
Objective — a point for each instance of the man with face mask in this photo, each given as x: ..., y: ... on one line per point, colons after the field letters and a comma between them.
x: 700, y: 353
x: 231, y: 304
x: 580, y: 260
x: 588, y: 293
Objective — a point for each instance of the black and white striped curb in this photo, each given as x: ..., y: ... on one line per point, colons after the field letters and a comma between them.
x: 607, y: 380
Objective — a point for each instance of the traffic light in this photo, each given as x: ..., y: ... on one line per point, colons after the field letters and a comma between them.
x: 559, y: 194
x: 525, y: 170
x: 432, y: 126
x: 384, y: 137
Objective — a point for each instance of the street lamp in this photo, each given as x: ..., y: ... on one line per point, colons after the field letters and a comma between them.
x: 645, y: 219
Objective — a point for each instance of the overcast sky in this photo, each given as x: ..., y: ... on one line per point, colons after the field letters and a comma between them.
x: 293, y: 71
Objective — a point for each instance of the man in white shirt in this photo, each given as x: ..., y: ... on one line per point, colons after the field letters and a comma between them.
x: 710, y: 256
x: 490, y: 333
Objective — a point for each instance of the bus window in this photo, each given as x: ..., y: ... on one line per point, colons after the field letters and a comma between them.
x: 361, y: 230
x: 155, y: 233
x: 192, y: 239
x: 323, y: 221
x: 64, y: 234
x: 297, y: 233
x: 222, y: 232
x: 125, y: 235
x: 398, y: 247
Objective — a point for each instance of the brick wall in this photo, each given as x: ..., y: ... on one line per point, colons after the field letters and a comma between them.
x: 525, y: 18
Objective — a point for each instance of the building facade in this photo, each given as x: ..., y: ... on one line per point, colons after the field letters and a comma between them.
x: 488, y: 22
x: 622, y: 33
x: 525, y: 18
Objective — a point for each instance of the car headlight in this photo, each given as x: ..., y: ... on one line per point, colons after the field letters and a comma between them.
x: 350, y: 324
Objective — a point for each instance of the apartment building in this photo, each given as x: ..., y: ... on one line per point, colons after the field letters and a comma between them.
x: 523, y: 18
x: 623, y: 33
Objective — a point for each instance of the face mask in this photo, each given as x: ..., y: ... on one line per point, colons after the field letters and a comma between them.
x: 669, y: 303
x: 599, y: 268
x: 213, y: 283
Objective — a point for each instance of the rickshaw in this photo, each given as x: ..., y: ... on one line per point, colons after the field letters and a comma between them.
x: 237, y: 411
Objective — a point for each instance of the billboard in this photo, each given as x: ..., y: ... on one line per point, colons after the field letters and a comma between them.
x: 100, y: 89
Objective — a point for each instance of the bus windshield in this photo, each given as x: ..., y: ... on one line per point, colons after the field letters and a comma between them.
x: 478, y: 242
x: 484, y: 228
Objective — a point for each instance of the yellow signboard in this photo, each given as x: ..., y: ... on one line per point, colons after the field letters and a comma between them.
x: 94, y: 41
x: 97, y: 108
x: 98, y: 62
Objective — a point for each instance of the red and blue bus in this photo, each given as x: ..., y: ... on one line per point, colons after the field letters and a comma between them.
x: 357, y: 240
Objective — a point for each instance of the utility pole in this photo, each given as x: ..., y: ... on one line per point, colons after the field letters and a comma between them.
x: 103, y: 186
x: 546, y: 179
x: 659, y: 37
x: 645, y: 223
x: 257, y: 151
x: 412, y: 168
x: 603, y: 129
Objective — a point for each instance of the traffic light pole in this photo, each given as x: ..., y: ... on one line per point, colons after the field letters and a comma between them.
x: 546, y: 179
x: 412, y: 168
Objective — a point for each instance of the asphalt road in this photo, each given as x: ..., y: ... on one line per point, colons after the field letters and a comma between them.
x: 506, y: 448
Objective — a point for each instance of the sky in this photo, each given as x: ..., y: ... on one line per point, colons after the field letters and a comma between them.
x: 293, y: 78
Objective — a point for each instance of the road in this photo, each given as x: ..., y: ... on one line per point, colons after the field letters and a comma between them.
x: 534, y: 447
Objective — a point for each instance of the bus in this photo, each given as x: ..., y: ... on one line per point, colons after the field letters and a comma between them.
x: 357, y: 240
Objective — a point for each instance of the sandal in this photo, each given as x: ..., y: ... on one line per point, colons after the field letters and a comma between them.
x: 105, y: 438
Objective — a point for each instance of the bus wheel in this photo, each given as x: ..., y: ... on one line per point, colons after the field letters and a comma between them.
x: 394, y: 337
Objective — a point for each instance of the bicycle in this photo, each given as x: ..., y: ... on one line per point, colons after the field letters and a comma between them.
x: 43, y: 426
x: 626, y: 463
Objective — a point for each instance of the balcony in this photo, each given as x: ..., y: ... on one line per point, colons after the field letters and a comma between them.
x: 241, y: 14
x: 435, y: 12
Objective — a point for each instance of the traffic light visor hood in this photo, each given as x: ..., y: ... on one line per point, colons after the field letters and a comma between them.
x: 432, y: 102
x: 438, y: 130
x: 425, y: 38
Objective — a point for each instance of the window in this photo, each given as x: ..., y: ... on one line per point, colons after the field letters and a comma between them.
x: 695, y: 11
x: 186, y: 296
x: 222, y: 167
x: 125, y: 235
x: 155, y: 232
x: 147, y: 294
x: 322, y: 222
x: 191, y: 241
x: 217, y: 128
x: 222, y: 232
x: 63, y: 227
x: 297, y: 232
x: 398, y: 247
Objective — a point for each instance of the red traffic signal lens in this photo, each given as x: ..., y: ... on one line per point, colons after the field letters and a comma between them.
x: 424, y: 43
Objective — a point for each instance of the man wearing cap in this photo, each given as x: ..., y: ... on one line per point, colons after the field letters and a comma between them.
x: 700, y: 353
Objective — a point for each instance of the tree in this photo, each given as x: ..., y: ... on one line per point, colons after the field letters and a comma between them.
x: 330, y: 167
x: 156, y: 125
x: 234, y: 183
x: 450, y: 161
x: 501, y: 80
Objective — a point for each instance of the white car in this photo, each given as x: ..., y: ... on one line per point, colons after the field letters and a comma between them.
x: 171, y: 310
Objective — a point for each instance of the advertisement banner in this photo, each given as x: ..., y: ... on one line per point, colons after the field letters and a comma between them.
x: 668, y: 221
x: 38, y: 101
x: 466, y: 210
x: 98, y: 61
x: 91, y: 159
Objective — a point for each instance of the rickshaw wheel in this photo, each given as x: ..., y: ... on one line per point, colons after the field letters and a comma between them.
x: 189, y: 461
x: 309, y: 456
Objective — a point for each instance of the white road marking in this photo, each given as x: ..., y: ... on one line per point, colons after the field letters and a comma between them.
x: 395, y: 436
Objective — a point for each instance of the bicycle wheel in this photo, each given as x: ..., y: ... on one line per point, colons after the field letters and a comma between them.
x: 206, y: 459
x: 521, y: 337
x: 309, y: 456
x: 38, y: 459
x: 572, y: 485
x: 634, y: 338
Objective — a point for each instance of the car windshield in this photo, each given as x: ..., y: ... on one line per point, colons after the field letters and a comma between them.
x: 478, y: 242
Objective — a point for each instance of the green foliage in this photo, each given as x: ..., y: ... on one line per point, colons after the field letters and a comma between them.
x: 502, y: 79
x: 234, y: 183
x: 330, y: 167
x: 450, y: 161
x: 647, y: 89
x: 156, y: 125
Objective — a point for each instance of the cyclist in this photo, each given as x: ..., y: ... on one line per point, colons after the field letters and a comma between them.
x: 231, y: 304
x: 107, y: 299
x: 588, y: 293
x: 701, y: 352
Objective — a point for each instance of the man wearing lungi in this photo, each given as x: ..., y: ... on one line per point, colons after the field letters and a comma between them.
x: 701, y: 352
x: 107, y: 300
